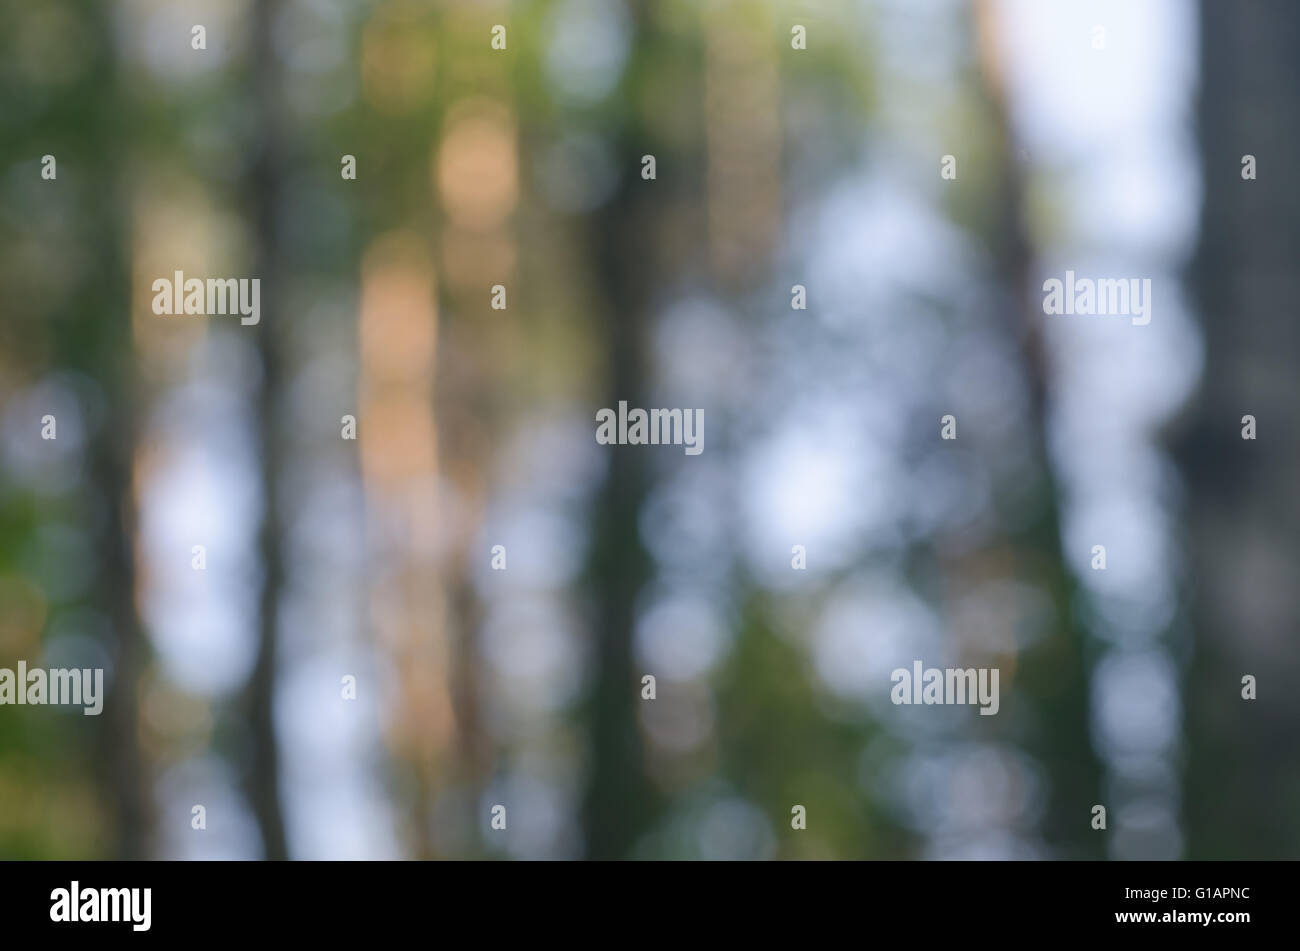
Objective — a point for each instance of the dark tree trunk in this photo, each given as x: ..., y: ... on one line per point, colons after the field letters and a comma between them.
x: 100, y: 345
x: 263, y: 783
x: 620, y: 801
x: 617, y: 806
x: 1055, y: 673
x: 1243, y: 520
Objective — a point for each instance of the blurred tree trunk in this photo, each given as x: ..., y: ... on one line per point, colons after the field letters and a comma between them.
x: 110, y: 456
x: 1243, y: 521
x: 81, y: 331
x: 267, y: 175
x: 1054, y: 674
x: 620, y: 802
x: 102, y: 348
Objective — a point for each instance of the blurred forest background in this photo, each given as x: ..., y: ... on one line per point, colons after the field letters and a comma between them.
x: 1114, y: 153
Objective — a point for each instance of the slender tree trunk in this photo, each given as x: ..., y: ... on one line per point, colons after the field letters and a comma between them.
x: 620, y: 801
x: 102, y: 348
x: 267, y: 176
x: 1054, y: 674
x: 111, y: 454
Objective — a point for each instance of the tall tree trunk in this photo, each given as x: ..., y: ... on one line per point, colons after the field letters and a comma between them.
x: 100, y: 345
x: 1054, y: 674
x: 620, y: 802
x: 1243, y: 522
x: 263, y: 784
